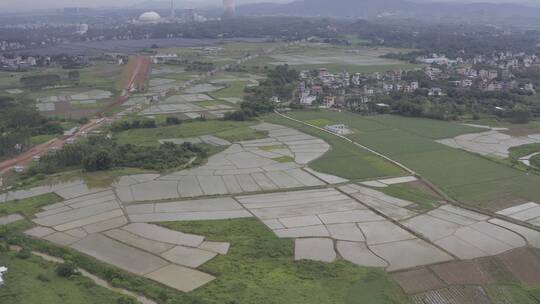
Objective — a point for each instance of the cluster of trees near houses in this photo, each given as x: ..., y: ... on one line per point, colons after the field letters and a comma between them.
x: 443, y: 108
x: 516, y: 105
x: 280, y: 83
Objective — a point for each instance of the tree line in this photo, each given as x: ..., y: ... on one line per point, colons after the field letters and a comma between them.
x: 97, y: 153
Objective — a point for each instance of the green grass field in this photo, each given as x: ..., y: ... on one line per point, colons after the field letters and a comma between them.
x: 336, y: 59
x: 10, y: 80
x: 233, y: 89
x: 425, y: 201
x: 33, y: 281
x: 469, y: 178
x: 232, y: 131
x: 344, y: 159
x: 101, y: 75
x: 335, y: 67
x: 29, y: 206
x: 284, y: 159
x: 259, y: 268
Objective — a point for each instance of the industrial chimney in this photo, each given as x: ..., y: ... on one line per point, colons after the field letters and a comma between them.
x: 230, y: 8
x: 172, y: 10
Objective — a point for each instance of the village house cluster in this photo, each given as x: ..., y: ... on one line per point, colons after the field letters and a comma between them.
x: 25, y: 63
x: 17, y: 63
x: 8, y: 46
x: 487, y: 73
x: 484, y: 73
x: 328, y: 90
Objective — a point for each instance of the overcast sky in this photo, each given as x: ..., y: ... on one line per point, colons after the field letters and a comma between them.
x: 16, y: 5
x: 12, y: 5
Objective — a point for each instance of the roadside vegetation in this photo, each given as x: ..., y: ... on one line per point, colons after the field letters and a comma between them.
x: 34, y: 280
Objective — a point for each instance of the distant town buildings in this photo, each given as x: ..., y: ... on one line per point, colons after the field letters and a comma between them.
x: 17, y: 63
x: 162, y: 58
x: 438, y: 59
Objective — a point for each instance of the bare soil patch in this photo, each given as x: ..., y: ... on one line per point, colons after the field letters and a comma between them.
x: 524, y: 265
x: 503, y: 202
x: 463, y: 273
x: 418, y: 280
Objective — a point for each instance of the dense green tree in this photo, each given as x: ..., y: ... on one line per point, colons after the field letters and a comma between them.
x: 66, y: 270
x: 97, y: 161
x: 520, y: 114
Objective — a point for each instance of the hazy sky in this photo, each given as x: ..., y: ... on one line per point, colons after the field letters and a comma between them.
x: 15, y: 5
x: 12, y: 5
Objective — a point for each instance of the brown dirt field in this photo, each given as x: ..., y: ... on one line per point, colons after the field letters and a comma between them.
x: 463, y: 273
x: 127, y: 72
x: 503, y: 203
x: 143, y: 74
x: 418, y: 280
x: 524, y: 265
x: 497, y: 270
x: 453, y: 295
x: 135, y: 73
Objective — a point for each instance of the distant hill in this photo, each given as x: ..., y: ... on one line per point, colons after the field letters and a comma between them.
x: 369, y: 9
x: 341, y: 8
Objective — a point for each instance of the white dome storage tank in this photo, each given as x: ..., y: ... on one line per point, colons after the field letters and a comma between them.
x: 149, y: 17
